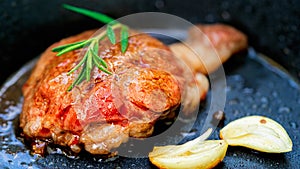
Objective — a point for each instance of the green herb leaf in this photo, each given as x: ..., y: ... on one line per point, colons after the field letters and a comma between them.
x: 60, y: 48
x: 96, y: 47
x: 79, y: 79
x: 101, y: 67
x: 92, y: 14
x: 71, y: 48
x: 78, y: 65
x: 124, y: 38
x: 89, y: 65
x: 111, y: 34
x: 99, y: 59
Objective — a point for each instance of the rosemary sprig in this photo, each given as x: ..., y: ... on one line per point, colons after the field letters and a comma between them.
x: 91, y: 57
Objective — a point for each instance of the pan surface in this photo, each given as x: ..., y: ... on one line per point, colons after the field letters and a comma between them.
x: 255, y: 86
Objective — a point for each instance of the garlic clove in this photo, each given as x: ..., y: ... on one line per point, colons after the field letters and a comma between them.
x: 259, y: 133
x: 204, y: 154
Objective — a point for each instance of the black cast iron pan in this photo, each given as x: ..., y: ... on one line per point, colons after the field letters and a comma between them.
x: 255, y: 85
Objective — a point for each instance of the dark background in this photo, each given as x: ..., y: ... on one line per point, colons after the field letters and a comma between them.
x: 27, y: 27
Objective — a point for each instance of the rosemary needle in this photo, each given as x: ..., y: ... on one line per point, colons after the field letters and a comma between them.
x: 92, y: 14
x: 91, y: 57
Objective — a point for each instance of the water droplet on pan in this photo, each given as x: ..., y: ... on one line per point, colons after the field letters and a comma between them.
x: 264, y: 100
x: 293, y: 125
x: 236, y: 113
x: 233, y: 101
x: 248, y: 90
x: 274, y: 94
x: 254, y: 106
x: 284, y: 110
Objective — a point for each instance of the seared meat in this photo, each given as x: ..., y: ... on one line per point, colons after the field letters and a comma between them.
x: 146, y: 84
x: 211, y: 46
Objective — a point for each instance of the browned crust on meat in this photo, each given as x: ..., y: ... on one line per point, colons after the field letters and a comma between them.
x: 225, y: 39
x: 74, y: 118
